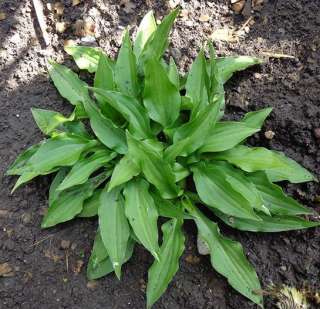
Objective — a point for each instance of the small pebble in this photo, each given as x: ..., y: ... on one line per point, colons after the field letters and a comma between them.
x: 26, y: 218
x: 269, y: 134
x: 92, y: 284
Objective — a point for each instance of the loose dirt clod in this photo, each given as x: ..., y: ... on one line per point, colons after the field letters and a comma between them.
x: 192, y: 259
x: 3, y: 16
x: 317, y: 133
x: 6, y: 270
x: 65, y: 244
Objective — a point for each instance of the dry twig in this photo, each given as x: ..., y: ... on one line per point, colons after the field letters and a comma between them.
x: 38, y: 7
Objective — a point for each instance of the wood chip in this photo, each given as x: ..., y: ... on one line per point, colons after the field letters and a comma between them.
x: 6, y: 270
x: 69, y: 43
x: 75, y: 2
x: 204, y: 18
x: 77, y: 268
x: 238, y: 6
x: 278, y: 55
x: 3, y: 16
x: 38, y: 7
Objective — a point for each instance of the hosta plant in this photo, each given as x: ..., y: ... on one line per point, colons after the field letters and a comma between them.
x: 144, y: 142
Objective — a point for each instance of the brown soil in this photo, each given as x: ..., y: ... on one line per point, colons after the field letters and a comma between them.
x: 44, y: 274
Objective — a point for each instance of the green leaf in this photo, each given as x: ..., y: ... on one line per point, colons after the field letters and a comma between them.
x: 192, y: 135
x: 61, y: 150
x: 161, y: 97
x: 227, y: 257
x: 257, y: 118
x: 230, y: 65
x: 19, y: 165
x: 146, y: 29
x: 215, y: 191
x: 107, y: 132
x: 99, y: 263
x: 114, y: 227
x: 126, y: 77
x: 131, y: 109
x: 173, y: 74
x: 276, y: 165
x: 124, y: 171
x: 58, y: 151
x: 161, y: 272
x: 86, y: 58
x: 76, y: 129
x: 158, y: 42
x: 291, y: 171
x: 104, y: 79
x: 242, y: 184
x: 91, y: 205
x: 156, y: 170
x: 47, y: 120
x: 180, y: 171
x: 82, y: 170
x: 142, y: 214
x: 67, y: 204
x: 68, y: 83
x: 196, y: 85
x: 216, y: 82
x: 251, y: 159
x: 269, y: 224
x: 168, y: 209
x: 58, y: 178
x: 274, y: 198
x: 225, y: 135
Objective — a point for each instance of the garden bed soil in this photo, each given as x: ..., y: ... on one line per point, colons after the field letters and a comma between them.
x: 46, y: 273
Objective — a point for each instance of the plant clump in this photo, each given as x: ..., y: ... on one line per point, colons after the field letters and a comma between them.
x: 133, y: 142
